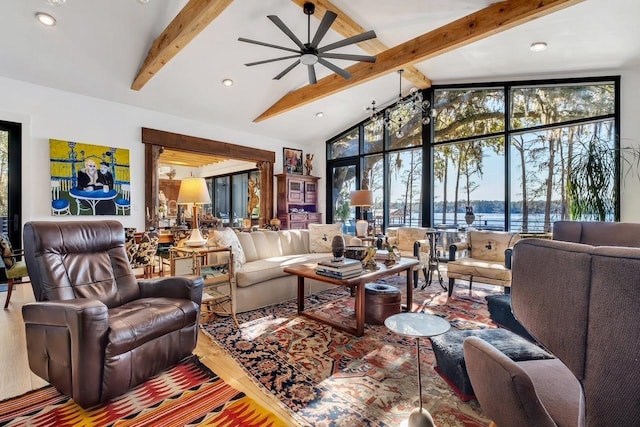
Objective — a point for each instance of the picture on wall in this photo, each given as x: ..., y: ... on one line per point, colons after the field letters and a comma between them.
x: 292, y: 161
x: 89, y: 179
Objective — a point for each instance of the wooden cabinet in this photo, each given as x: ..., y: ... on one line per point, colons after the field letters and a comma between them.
x: 297, y: 201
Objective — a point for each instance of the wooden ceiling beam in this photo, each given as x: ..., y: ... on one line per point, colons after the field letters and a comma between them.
x: 347, y: 27
x: 188, y: 23
x: 491, y: 20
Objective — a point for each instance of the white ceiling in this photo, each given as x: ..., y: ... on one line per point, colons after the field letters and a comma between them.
x: 98, y: 46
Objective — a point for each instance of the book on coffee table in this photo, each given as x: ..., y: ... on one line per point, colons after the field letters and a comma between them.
x: 338, y: 274
x: 345, y: 264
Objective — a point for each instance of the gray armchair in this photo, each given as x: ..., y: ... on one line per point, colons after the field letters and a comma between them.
x: 95, y: 331
x: 581, y: 303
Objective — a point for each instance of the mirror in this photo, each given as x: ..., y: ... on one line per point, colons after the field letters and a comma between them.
x: 156, y: 142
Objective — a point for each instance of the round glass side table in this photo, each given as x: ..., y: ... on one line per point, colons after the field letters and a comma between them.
x: 418, y: 325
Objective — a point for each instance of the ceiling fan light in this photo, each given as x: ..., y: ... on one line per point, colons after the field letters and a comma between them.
x: 308, y: 59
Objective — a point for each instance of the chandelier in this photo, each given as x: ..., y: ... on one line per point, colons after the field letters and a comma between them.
x: 395, y: 119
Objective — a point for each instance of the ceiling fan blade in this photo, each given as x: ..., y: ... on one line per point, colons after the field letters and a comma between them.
x: 286, y: 30
x: 325, y: 24
x: 271, y: 60
x: 242, y: 39
x: 351, y: 40
x: 334, y: 68
x: 349, y: 57
x: 286, y: 70
x: 312, y: 74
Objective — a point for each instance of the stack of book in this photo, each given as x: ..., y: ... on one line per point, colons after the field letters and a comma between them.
x: 342, y: 269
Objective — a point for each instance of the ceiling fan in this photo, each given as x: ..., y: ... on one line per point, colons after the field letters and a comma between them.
x: 309, y: 53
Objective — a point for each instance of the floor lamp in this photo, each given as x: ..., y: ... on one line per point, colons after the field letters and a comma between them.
x: 194, y: 190
x: 362, y: 199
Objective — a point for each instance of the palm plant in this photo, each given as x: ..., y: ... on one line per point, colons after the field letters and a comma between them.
x: 591, y: 179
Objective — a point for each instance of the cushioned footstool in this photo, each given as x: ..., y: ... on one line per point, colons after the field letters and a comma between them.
x: 449, y: 354
x: 500, y: 312
x: 380, y: 302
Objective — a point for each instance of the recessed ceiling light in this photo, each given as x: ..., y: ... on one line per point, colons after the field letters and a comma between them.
x: 227, y: 82
x: 538, y: 46
x: 55, y: 2
x: 319, y: 114
x: 46, y: 19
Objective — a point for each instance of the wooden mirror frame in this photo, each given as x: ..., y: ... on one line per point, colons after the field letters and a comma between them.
x: 156, y: 141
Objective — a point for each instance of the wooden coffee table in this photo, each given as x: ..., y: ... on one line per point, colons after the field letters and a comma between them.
x: 356, y: 284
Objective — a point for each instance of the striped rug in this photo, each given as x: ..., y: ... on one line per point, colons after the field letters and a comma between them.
x: 186, y: 395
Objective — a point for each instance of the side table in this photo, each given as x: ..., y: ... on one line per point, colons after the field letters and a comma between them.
x: 418, y: 325
x: 215, y: 265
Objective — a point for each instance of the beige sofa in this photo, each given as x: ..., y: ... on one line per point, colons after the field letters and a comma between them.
x: 259, y: 277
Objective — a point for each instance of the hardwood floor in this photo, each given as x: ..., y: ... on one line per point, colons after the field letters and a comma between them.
x: 16, y: 378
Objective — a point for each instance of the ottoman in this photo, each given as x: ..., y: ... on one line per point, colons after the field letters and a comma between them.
x: 449, y: 354
x: 500, y: 312
x: 380, y: 302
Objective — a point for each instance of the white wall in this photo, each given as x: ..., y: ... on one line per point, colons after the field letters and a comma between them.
x: 50, y: 113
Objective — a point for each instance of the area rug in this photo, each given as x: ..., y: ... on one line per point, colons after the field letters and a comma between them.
x: 188, y: 394
x: 330, y: 378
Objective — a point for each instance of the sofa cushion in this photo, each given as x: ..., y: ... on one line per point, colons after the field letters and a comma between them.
x: 490, y: 245
x: 263, y: 270
x: 294, y: 241
x: 228, y: 237
x: 248, y: 246
x: 478, y: 268
x: 321, y: 235
x: 145, y: 319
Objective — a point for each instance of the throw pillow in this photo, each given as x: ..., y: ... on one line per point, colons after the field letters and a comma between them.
x: 227, y: 237
x: 7, y: 252
x: 321, y: 235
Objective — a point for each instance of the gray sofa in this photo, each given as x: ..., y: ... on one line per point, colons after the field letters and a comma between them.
x: 260, y: 281
x: 581, y: 302
x: 594, y: 233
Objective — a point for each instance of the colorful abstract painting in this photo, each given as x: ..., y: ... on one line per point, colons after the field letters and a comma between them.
x: 89, y: 179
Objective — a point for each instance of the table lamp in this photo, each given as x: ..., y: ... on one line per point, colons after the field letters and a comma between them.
x: 194, y: 190
x: 362, y: 198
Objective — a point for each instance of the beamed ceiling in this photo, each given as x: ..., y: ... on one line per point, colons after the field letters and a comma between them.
x: 170, y: 56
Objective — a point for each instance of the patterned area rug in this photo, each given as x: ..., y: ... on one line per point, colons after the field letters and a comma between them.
x: 186, y: 395
x: 330, y: 378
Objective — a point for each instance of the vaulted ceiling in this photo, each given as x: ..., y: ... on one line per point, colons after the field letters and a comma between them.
x: 171, y: 55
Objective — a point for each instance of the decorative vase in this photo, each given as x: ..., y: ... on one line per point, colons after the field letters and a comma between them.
x: 337, y: 247
x: 469, y: 217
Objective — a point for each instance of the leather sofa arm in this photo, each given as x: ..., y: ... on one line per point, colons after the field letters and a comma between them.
x: 181, y: 287
x: 65, y: 342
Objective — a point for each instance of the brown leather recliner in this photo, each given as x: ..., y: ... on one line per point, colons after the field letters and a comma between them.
x: 96, y: 331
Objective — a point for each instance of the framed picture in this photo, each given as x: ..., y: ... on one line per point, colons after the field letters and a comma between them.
x: 292, y: 161
x: 89, y: 179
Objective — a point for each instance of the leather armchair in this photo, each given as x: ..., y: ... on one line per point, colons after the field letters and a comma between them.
x: 95, y: 331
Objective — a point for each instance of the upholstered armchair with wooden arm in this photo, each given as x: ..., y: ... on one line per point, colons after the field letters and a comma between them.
x: 95, y: 331
x: 412, y: 242
x: 487, y: 259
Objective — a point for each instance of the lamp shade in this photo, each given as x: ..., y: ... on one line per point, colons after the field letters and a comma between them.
x: 362, y: 198
x: 194, y: 190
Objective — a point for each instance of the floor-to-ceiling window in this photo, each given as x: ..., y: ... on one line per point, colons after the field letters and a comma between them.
x: 518, y: 155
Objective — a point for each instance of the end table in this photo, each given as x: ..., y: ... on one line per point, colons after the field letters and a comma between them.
x: 418, y: 325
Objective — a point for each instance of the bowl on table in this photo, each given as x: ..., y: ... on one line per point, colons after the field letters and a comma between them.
x: 355, y: 252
